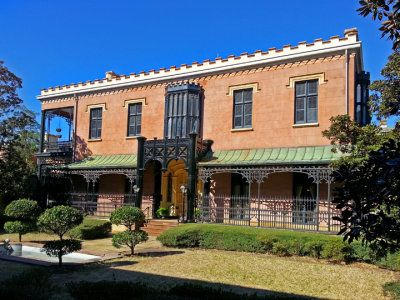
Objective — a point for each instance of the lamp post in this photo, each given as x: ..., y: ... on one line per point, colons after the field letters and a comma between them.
x: 136, y: 190
x: 184, y: 191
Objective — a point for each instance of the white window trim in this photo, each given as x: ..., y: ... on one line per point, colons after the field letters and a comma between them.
x: 319, y: 76
x: 253, y: 86
x: 132, y: 101
x: 100, y: 105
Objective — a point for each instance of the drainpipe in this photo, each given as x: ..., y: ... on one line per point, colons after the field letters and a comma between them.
x: 75, y: 123
x: 347, y: 82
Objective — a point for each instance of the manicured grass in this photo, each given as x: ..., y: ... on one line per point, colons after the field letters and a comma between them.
x: 161, y: 267
x: 279, y: 242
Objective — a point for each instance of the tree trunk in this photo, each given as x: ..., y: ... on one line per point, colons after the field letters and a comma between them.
x: 132, y: 250
x: 19, y: 237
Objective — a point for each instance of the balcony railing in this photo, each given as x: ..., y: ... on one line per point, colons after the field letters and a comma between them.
x: 60, y: 146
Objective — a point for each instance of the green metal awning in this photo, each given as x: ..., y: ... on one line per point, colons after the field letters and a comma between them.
x: 319, y: 155
x: 104, y: 162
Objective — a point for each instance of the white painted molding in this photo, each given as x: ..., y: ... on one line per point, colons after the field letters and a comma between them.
x: 287, y: 54
x: 100, y: 105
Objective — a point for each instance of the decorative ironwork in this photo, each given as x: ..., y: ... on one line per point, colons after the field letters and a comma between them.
x: 258, y: 174
x: 94, y: 175
x: 104, y: 205
x: 272, y: 211
x: 166, y: 150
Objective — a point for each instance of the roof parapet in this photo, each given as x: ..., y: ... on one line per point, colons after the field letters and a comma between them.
x: 207, y: 66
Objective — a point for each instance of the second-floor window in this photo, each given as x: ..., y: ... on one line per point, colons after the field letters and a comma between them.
x: 96, y: 115
x: 242, y: 108
x: 306, y: 102
x: 135, y: 119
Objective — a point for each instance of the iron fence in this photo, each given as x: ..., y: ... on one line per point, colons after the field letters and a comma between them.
x: 273, y: 212
x: 102, y: 205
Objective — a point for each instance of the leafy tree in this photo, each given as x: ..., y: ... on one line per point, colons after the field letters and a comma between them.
x: 26, y: 213
x: 59, y: 220
x: 369, y: 198
x: 368, y: 172
x: 17, y: 130
x: 389, y: 12
x: 355, y: 141
x: 385, y: 99
x: 132, y: 218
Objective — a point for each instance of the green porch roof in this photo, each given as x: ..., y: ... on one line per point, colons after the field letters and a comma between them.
x: 104, y: 162
x: 271, y: 156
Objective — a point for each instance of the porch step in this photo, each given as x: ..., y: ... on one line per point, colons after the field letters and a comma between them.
x: 156, y: 227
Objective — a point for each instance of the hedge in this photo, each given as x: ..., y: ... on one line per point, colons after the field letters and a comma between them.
x: 91, y: 229
x: 275, y: 241
x: 392, y: 289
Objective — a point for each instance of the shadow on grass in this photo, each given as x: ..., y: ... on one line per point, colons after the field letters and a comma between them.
x: 181, y: 287
x: 159, y: 253
x: 161, y: 282
x: 121, y: 263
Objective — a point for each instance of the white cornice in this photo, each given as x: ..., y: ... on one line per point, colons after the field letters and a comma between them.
x: 302, y: 51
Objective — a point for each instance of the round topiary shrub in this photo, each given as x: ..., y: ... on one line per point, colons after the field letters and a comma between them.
x: 129, y: 238
x: 128, y: 216
x: 60, y: 219
x: 25, y: 212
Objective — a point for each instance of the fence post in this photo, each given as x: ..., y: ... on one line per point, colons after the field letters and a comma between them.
x: 318, y: 204
x: 329, y: 205
x: 249, y: 203
x: 259, y: 202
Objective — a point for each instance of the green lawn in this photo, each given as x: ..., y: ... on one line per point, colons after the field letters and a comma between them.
x: 244, y: 272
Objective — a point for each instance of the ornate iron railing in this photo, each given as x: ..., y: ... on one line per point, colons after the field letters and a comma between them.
x: 60, y: 146
x: 103, y: 205
x: 273, y: 212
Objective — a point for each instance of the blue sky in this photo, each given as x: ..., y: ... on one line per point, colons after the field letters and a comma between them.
x: 49, y: 42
